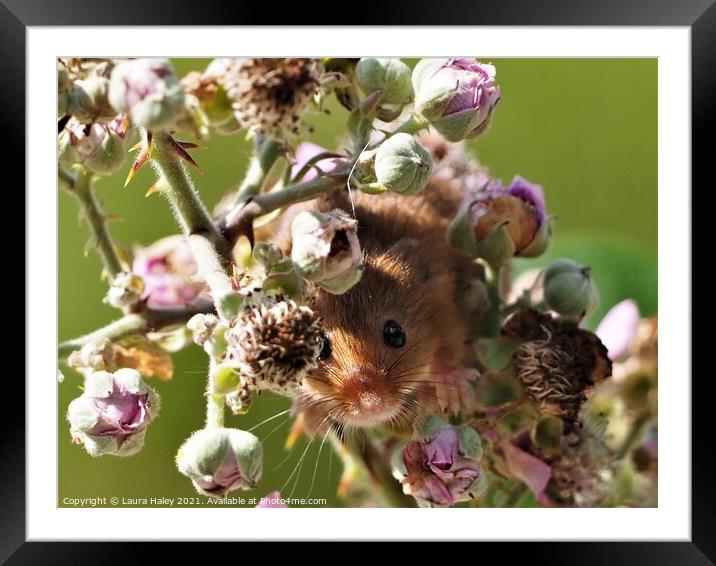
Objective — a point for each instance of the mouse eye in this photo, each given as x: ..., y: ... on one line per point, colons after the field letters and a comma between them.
x: 325, y: 344
x: 393, y: 334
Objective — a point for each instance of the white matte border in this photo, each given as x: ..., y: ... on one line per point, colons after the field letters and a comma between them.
x: 45, y: 521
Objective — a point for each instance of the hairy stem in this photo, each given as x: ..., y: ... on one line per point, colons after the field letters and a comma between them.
x: 214, y: 402
x: 413, y: 125
x: 81, y: 187
x: 208, y: 246
x: 150, y: 320
x: 239, y: 220
x: 267, y: 151
x: 191, y: 213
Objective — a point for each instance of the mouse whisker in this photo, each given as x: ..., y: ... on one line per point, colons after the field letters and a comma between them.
x: 283, y: 422
x: 269, y: 419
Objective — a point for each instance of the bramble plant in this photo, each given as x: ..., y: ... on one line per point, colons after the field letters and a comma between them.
x: 546, y: 413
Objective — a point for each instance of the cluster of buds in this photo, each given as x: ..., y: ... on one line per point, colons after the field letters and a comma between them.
x: 112, y: 415
x: 441, y: 465
x: 100, y: 147
x: 83, y: 86
x: 391, y: 78
x: 457, y: 96
x: 497, y: 223
x: 325, y: 249
x: 274, y: 343
x: 221, y: 460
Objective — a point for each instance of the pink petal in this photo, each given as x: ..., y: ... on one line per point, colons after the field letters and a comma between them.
x: 526, y: 468
x: 618, y: 327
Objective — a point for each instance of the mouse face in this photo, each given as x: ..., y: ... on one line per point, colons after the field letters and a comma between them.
x: 379, y: 342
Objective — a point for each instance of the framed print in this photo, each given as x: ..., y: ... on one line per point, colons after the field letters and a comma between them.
x: 406, y: 289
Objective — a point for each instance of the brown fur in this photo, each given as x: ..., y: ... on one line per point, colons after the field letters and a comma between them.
x: 411, y: 276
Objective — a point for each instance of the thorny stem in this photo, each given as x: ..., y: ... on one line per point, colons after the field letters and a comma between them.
x: 150, y: 320
x: 267, y: 151
x: 207, y: 244
x: 191, y: 213
x: 81, y: 187
x: 365, y: 451
x: 239, y: 220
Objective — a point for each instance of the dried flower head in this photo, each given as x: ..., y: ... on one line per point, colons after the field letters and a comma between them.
x: 271, y: 94
x: 558, y: 362
x: 274, y: 343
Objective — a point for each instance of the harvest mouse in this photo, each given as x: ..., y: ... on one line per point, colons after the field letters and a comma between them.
x: 396, y: 345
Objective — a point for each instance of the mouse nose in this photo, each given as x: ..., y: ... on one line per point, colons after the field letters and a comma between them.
x: 365, y: 386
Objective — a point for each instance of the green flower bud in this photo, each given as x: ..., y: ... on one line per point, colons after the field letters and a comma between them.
x: 226, y: 379
x: 88, y: 100
x: 569, y: 289
x: 326, y: 250
x: 221, y: 460
x: 392, y: 77
x: 102, y: 148
x: 402, y: 165
x: 148, y: 91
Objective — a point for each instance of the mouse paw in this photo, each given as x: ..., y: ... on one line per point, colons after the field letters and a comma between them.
x: 453, y: 389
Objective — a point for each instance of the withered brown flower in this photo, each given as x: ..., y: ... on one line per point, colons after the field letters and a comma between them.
x: 558, y: 363
x: 274, y: 343
x: 271, y: 94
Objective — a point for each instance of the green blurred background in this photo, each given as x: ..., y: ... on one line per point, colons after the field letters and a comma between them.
x: 585, y: 129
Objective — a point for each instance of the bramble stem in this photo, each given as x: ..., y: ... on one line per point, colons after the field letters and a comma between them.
x: 413, y: 125
x: 191, y: 213
x: 150, y: 320
x: 81, y: 187
x: 239, y: 220
x: 265, y: 155
x: 214, y: 402
x: 208, y: 246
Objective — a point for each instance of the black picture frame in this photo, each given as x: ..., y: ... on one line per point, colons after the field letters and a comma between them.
x: 699, y: 15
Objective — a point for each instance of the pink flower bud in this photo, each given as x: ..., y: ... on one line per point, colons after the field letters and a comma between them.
x: 441, y: 466
x: 168, y: 270
x: 496, y: 224
x: 112, y: 414
x: 457, y: 96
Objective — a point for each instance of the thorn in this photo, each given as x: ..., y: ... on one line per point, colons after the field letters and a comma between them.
x: 181, y: 152
x: 190, y: 145
x: 153, y: 189
x: 112, y: 218
x: 141, y: 159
